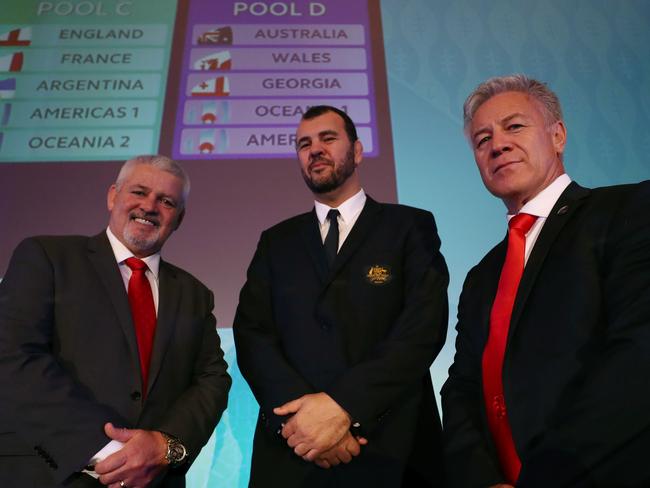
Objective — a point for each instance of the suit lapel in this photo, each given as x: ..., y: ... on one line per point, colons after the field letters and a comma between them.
x: 102, y: 258
x: 314, y: 243
x: 567, y: 204
x: 355, y: 238
x: 168, y: 302
x: 493, y: 267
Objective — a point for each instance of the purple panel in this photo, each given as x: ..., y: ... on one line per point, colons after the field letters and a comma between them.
x: 279, y: 54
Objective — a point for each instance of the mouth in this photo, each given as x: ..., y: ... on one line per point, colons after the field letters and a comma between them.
x: 145, y: 221
x: 500, y: 166
x: 319, y: 164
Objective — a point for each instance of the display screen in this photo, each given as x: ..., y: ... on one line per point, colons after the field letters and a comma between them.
x: 83, y: 81
x: 249, y: 73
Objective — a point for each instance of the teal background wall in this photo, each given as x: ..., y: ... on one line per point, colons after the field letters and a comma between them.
x: 594, y: 53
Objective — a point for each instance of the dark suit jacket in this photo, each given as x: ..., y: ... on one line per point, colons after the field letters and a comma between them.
x: 69, y: 360
x: 365, y: 332
x: 576, y: 374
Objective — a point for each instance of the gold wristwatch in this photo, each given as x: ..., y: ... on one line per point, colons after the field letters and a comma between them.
x: 176, y: 452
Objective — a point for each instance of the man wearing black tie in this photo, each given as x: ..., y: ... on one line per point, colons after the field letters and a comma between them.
x: 550, y: 384
x: 342, y: 314
x: 110, y: 367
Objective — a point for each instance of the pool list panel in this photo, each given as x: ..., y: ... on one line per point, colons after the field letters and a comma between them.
x: 83, y: 81
x: 250, y: 69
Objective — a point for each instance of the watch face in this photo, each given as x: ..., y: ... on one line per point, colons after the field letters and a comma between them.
x: 177, y: 452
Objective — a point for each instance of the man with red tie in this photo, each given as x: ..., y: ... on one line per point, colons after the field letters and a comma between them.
x: 110, y: 363
x: 550, y: 384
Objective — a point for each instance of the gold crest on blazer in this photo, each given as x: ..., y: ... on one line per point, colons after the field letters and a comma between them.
x: 378, y: 274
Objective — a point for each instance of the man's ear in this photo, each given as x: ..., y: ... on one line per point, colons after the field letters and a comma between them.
x: 559, y: 136
x: 358, y: 152
x: 110, y: 197
x: 179, y: 219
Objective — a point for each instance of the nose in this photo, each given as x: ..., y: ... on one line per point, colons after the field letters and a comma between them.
x: 149, y: 204
x: 315, y: 149
x: 500, y: 143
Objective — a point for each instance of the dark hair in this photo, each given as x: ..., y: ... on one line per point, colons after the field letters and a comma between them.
x: 318, y: 110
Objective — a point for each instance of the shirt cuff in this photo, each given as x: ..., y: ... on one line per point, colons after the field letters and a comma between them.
x: 103, y: 453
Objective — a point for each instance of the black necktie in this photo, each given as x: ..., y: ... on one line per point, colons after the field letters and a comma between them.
x: 332, y: 239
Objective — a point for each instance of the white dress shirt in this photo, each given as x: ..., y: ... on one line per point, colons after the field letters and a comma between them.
x: 153, y: 263
x: 122, y: 254
x: 541, y: 207
x: 349, y: 212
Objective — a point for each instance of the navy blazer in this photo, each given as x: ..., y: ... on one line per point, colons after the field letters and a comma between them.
x: 365, y: 331
x: 575, y: 372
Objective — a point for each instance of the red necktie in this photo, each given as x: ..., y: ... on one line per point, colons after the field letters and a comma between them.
x: 513, y: 268
x: 143, y: 313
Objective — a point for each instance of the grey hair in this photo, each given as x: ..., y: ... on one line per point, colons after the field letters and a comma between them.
x: 158, y: 161
x: 547, y: 99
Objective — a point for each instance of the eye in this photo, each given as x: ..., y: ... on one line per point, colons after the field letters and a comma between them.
x: 515, y: 126
x: 482, y: 140
x: 168, y: 202
x: 140, y: 193
x: 302, y: 145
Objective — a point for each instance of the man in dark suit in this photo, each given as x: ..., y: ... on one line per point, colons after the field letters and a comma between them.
x: 82, y: 382
x: 337, y: 326
x: 550, y: 383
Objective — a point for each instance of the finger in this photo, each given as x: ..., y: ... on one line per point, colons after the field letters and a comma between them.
x: 112, y: 479
x: 112, y: 463
x: 290, y: 407
x: 322, y: 463
x: 329, y: 457
x: 353, y: 448
x: 289, y: 428
x: 122, y: 435
x: 344, y: 456
x: 118, y: 485
x: 302, y: 450
x: 362, y: 440
x: 334, y: 461
x: 311, y: 455
x: 293, y: 441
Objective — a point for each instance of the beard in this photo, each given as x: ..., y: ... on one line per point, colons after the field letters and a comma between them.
x: 339, y: 174
x: 137, y: 241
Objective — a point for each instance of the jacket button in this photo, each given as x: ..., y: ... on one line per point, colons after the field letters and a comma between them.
x: 136, y: 395
x: 325, y: 325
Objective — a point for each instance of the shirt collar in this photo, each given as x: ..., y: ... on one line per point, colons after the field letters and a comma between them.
x: 122, y: 253
x: 544, y: 201
x: 348, y: 209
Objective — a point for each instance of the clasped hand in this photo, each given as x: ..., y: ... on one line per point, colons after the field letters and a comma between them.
x: 140, y: 460
x: 319, y: 430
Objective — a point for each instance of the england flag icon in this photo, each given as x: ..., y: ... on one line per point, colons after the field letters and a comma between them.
x: 16, y: 37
